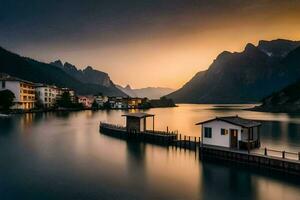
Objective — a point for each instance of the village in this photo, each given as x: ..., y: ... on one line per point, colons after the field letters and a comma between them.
x: 30, y: 96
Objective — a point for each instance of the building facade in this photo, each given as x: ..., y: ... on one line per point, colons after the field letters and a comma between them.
x: 100, y: 100
x: 24, y: 91
x: 86, y: 101
x: 47, y: 95
x: 231, y: 132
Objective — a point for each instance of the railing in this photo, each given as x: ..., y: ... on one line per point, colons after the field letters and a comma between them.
x: 162, y: 132
x: 120, y: 127
x: 279, y: 154
x: 113, y: 126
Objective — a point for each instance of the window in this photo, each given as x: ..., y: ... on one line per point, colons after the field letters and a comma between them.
x: 207, y: 132
x: 224, y: 131
x: 3, y: 84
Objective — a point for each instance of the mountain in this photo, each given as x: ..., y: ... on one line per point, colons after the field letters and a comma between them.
x: 127, y: 90
x: 87, y: 75
x: 243, y: 77
x: 149, y: 92
x: 39, y: 72
x: 287, y: 99
x: 278, y: 48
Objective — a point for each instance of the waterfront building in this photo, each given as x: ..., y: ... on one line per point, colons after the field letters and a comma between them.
x: 24, y: 91
x: 86, y: 101
x: 100, y: 100
x: 117, y: 102
x: 134, y: 102
x: 231, y: 132
x: 47, y: 95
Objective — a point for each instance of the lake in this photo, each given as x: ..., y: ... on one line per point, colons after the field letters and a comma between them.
x: 63, y: 156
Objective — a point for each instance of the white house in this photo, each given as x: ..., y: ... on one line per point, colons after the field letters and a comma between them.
x: 47, y: 95
x: 231, y: 132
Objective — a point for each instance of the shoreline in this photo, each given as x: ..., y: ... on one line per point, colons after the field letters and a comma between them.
x: 13, y: 112
x: 287, y: 110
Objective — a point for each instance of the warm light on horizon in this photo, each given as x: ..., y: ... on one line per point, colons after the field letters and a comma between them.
x: 167, y: 50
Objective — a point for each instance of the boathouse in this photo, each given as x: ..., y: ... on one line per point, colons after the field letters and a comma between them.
x: 136, y: 122
x: 231, y: 132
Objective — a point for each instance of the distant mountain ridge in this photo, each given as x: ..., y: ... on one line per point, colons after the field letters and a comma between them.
x: 243, y: 77
x: 149, y: 92
x: 87, y: 75
x: 39, y: 72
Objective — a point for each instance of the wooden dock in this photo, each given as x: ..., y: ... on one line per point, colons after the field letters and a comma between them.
x: 155, y: 137
x: 287, y: 162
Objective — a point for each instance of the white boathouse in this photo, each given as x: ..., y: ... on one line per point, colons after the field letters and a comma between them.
x: 231, y: 132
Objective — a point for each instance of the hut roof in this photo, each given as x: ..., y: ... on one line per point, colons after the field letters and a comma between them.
x: 138, y: 115
x: 235, y: 120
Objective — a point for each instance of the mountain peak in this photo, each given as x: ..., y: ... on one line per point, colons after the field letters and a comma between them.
x: 57, y: 63
x: 128, y: 87
x: 89, y: 68
x: 250, y: 47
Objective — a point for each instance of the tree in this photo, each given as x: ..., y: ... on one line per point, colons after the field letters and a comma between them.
x: 65, y: 101
x: 6, y: 99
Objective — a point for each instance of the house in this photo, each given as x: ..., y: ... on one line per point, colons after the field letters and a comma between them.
x: 231, y: 132
x: 47, y: 95
x: 134, y: 102
x: 100, y: 100
x: 24, y: 91
x: 117, y: 102
x: 86, y: 101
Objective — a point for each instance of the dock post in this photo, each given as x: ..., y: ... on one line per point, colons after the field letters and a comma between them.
x: 184, y: 142
x: 195, y: 143
x: 266, y: 152
x: 190, y: 142
x: 283, y: 154
x: 180, y: 140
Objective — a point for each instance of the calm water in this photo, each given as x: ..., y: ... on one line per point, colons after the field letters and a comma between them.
x: 63, y: 156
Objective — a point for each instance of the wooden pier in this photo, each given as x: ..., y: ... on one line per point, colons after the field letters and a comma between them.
x: 287, y: 162
x: 150, y: 136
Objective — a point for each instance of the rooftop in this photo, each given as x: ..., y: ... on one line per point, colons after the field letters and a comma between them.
x: 138, y: 115
x: 236, y: 120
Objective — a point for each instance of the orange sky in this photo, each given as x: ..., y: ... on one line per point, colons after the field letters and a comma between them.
x: 168, y: 50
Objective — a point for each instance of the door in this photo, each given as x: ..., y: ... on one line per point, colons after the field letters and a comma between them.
x: 233, y: 138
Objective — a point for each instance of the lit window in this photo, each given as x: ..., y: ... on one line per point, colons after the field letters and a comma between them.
x: 224, y: 131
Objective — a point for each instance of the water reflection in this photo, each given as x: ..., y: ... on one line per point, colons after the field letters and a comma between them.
x: 62, y: 156
x: 221, y: 182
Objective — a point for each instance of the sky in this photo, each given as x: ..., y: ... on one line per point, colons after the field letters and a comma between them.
x: 143, y: 42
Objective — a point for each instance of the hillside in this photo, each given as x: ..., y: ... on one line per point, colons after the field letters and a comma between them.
x: 39, y: 72
x: 243, y: 77
x: 287, y: 99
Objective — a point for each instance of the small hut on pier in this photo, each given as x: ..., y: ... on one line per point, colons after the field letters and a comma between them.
x: 232, y: 132
x: 136, y: 122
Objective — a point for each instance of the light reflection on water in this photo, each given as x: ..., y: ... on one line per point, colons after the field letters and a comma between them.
x: 63, y: 156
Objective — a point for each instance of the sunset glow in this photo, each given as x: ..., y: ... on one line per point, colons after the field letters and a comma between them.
x: 153, y: 46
